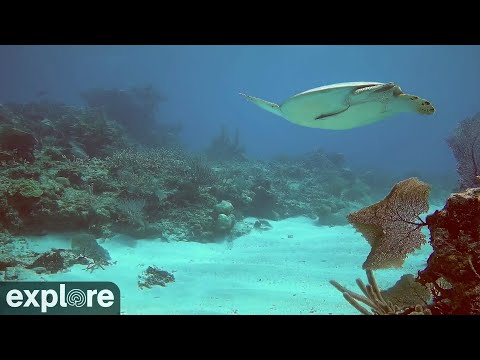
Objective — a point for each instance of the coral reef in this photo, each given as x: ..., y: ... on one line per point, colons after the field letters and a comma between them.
x: 308, y: 185
x: 92, y: 173
x: 93, y: 170
x: 74, y: 132
x: 111, y: 167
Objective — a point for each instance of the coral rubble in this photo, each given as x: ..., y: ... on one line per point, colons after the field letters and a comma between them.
x: 153, y: 276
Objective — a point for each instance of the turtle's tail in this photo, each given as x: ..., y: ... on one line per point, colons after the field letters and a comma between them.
x: 265, y: 105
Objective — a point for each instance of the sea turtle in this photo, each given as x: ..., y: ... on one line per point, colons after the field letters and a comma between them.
x: 346, y: 105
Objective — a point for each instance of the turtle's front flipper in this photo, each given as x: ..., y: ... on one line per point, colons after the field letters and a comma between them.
x: 323, y: 116
x: 375, y: 88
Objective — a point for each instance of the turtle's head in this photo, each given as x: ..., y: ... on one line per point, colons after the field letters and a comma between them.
x: 424, y: 107
x: 419, y: 105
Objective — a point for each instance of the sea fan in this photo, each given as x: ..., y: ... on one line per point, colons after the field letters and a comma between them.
x: 465, y: 145
x: 392, y: 226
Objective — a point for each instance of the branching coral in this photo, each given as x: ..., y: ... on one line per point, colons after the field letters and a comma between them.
x: 199, y: 172
x: 146, y: 171
x: 223, y: 148
x: 372, y: 297
x: 153, y: 160
x: 392, y: 226
x: 133, y: 209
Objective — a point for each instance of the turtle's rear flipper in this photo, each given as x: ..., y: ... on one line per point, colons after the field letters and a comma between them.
x: 265, y: 105
x: 323, y: 116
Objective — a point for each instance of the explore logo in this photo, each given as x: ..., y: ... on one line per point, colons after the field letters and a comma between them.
x: 59, y: 298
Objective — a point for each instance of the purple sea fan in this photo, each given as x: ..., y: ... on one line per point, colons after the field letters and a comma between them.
x: 465, y: 145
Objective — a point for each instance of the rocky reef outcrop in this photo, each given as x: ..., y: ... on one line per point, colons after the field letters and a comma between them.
x: 453, y: 269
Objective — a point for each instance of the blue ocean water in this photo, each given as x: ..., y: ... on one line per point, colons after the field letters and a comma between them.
x: 199, y: 86
x: 202, y: 85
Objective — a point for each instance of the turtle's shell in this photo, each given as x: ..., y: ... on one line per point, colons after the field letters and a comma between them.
x: 305, y: 108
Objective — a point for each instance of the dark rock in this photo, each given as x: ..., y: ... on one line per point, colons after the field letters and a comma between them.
x: 262, y: 225
x: 13, y: 139
x: 40, y: 270
x: 240, y: 228
x: 154, y: 276
x: 51, y: 261
x: 57, y: 260
x: 6, y: 264
x: 224, y: 224
x: 7, y: 156
x: 73, y: 176
x: 263, y: 203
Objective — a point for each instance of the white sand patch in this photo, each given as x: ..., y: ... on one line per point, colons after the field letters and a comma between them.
x: 264, y: 272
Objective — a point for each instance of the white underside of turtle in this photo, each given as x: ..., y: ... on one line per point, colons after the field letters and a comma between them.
x: 346, y: 105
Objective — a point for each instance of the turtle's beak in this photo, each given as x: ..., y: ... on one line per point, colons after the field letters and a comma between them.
x: 426, y: 108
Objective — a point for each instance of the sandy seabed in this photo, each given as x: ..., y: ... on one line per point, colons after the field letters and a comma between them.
x: 285, y: 270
